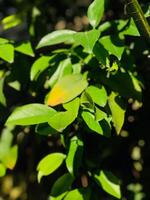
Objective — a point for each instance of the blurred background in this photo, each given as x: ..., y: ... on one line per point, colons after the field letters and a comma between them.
x: 128, y: 155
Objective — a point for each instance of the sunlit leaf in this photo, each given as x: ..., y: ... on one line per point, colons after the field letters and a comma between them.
x: 2, y: 170
x: 7, y: 52
x: 64, y: 68
x: 11, y: 21
x: 95, y: 12
x: 74, y: 157
x: 39, y: 66
x: 66, y: 89
x: 62, y: 119
x: 91, y: 122
x: 31, y: 114
x: 117, y: 108
x: 87, y: 39
x: 78, y: 194
x: 10, y: 158
x: 2, y: 96
x: 56, y: 37
x: 25, y: 48
x: 109, y: 183
x: 49, y: 164
x: 98, y: 95
x: 113, y: 44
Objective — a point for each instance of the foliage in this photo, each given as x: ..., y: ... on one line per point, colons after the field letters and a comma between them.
x: 84, y: 86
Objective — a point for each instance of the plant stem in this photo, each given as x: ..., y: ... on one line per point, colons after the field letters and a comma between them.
x: 135, y: 11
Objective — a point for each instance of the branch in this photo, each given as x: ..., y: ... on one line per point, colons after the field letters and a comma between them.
x: 135, y: 11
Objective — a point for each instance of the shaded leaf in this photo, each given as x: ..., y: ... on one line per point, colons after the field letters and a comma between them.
x: 56, y: 37
x: 66, y: 89
x: 30, y: 114
x: 11, y: 21
x: 49, y: 164
x: 61, y: 185
x: 109, y: 183
x: 95, y: 12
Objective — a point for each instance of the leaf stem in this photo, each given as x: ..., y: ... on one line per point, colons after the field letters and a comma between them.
x: 135, y: 11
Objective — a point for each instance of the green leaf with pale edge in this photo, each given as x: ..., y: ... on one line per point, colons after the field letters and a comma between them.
x: 98, y: 95
x: 95, y: 12
x: 2, y: 170
x: 74, y: 157
x: 113, y: 44
x: 91, y: 122
x: 66, y: 89
x: 87, y: 39
x: 31, y: 114
x: 7, y: 52
x: 118, y: 111
x: 25, y: 48
x: 61, y: 185
x: 49, y: 164
x: 63, y: 119
x: 39, y: 66
x: 56, y: 37
x: 109, y: 183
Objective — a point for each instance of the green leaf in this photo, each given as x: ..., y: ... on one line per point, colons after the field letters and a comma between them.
x: 122, y: 82
x: 74, y: 157
x: 100, y: 115
x: 91, y: 122
x: 5, y: 141
x: 131, y: 29
x: 101, y: 53
x: 2, y: 170
x: 39, y: 66
x: 25, y: 48
x: 62, y: 119
x: 118, y: 111
x: 2, y: 96
x: 44, y: 129
x: 7, y: 52
x: 56, y: 37
x: 78, y: 194
x: 66, y: 89
x: 60, y: 197
x: 95, y: 12
x: 31, y: 114
x: 87, y: 39
x: 98, y: 95
x: 49, y: 164
x: 109, y: 183
x: 10, y: 158
x: 11, y: 21
x: 113, y: 44
x: 61, y: 185
x: 64, y: 68
x: 4, y: 41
